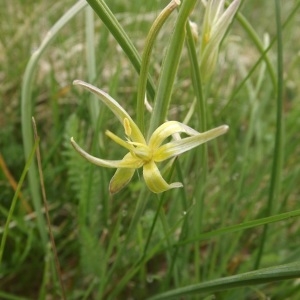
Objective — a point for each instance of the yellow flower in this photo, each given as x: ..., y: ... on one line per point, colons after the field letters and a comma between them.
x: 142, y: 153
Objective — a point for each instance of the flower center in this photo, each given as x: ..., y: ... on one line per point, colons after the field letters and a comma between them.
x: 142, y: 151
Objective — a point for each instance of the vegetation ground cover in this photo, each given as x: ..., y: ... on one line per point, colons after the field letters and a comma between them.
x: 136, y: 244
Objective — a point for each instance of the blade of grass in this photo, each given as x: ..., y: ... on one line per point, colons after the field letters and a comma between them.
x: 115, y: 28
x: 142, y: 84
x: 39, y: 162
x: 93, y: 103
x: 14, y: 184
x: 15, y: 198
x: 27, y: 104
x: 202, y: 162
x: 278, y: 146
x: 196, y: 79
x: 266, y: 275
x: 243, y: 226
x: 169, y: 67
x: 7, y: 296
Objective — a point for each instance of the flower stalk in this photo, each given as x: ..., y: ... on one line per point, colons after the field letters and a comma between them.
x: 142, y: 84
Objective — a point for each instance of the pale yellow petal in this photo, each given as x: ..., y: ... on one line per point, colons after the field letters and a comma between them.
x: 131, y: 161
x: 180, y: 146
x: 154, y: 179
x: 167, y: 129
x: 120, y: 179
x: 127, y: 162
x: 116, y: 108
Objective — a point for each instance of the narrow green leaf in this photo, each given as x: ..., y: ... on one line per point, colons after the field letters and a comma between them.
x: 115, y: 28
x: 266, y: 275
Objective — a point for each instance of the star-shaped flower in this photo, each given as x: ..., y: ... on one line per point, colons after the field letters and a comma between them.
x: 142, y: 153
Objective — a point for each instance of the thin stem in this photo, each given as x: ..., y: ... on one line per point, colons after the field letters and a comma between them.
x: 142, y: 84
x: 278, y: 147
x: 15, y: 198
x: 38, y: 157
x: 170, y: 66
x: 202, y: 116
x: 27, y: 104
x: 196, y: 79
x: 115, y: 28
x: 91, y: 62
x: 6, y: 172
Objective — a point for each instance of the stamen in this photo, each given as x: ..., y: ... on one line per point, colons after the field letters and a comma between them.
x: 127, y: 127
x: 118, y: 140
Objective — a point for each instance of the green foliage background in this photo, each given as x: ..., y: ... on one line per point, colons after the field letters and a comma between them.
x: 104, y: 251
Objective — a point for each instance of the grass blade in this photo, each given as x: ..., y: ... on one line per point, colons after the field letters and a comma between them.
x: 14, y: 200
x: 278, y: 146
x: 26, y: 108
x: 266, y: 275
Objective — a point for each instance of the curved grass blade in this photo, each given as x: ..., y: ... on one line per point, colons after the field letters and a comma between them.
x: 15, y: 198
x: 262, y: 276
x: 26, y: 108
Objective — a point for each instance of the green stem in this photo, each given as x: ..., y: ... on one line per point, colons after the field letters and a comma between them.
x: 15, y: 198
x: 196, y: 79
x: 142, y: 84
x: 202, y: 116
x: 115, y: 28
x: 91, y: 62
x: 278, y: 147
x: 170, y: 66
